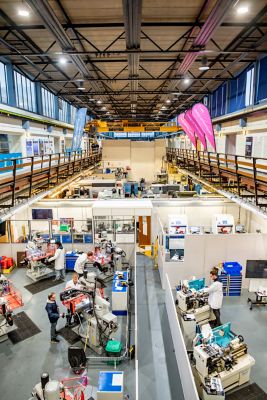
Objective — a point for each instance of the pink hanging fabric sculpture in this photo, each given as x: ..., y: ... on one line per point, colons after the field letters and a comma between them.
x: 187, y: 128
x: 201, y: 114
x: 195, y: 126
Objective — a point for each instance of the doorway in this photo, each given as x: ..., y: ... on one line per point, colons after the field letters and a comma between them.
x: 144, y: 231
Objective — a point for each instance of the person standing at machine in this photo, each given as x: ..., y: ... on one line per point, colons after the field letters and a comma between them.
x: 59, y: 258
x: 81, y: 261
x: 215, y: 291
x: 53, y: 315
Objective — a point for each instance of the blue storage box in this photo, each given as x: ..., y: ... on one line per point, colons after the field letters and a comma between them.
x: 66, y: 239
x: 232, y: 268
x: 88, y: 238
x: 70, y: 258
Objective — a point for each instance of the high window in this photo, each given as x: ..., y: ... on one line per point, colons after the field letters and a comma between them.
x: 3, y: 84
x: 48, y: 103
x: 25, y: 92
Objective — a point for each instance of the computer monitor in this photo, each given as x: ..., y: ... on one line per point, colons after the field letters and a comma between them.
x: 256, y: 269
x: 45, y: 213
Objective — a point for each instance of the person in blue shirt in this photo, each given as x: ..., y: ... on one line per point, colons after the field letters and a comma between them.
x: 53, y: 315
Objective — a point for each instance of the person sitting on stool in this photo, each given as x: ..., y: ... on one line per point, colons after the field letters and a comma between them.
x: 215, y: 291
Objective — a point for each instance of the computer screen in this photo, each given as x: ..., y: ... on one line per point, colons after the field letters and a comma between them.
x: 256, y: 269
x: 39, y: 213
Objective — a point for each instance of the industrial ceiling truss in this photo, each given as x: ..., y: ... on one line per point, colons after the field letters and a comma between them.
x: 132, y: 59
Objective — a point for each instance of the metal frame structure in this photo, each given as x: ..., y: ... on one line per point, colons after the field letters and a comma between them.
x: 135, y: 52
x: 28, y: 176
x: 244, y: 176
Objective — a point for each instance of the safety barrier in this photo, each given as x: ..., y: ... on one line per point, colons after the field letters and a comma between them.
x: 24, y: 176
x: 245, y: 176
x: 185, y: 372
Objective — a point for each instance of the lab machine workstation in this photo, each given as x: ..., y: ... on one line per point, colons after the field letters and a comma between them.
x: 192, y: 308
x: 221, y: 353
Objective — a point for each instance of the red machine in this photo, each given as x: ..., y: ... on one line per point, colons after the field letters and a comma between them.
x: 12, y: 296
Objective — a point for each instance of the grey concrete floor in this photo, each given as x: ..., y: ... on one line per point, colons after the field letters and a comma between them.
x: 158, y: 375
x: 252, y: 325
x: 22, y: 364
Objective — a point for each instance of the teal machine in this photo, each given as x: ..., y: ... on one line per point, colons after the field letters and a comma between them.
x: 192, y: 308
x: 221, y: 353
x: 190, y: 294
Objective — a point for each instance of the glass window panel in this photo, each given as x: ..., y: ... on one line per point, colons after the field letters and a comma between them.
x: 249, y: 87
x: 25, y: 92
x: 19, y: 91
x: 48, y: 102
x: 33, y: 97
x: 3, y: 83
x: 262, y: 80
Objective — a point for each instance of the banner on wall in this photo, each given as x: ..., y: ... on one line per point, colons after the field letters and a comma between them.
x: 196, y: 128
x: 201, y: 115
x: 79, y: 123
x: 187, y: 128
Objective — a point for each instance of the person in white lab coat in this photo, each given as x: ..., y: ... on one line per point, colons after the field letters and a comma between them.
x: 59, y: 258
x: 74, y: 282
x: 81, y: 261
x: 215, y: 291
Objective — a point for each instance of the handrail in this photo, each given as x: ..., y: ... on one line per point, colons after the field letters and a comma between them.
x: 245, y: 175
x: 40, y: 172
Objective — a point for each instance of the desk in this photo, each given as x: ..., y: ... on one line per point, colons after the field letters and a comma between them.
x: 259, y: 300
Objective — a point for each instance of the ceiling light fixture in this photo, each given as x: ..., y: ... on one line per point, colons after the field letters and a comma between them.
x: 168, y: 101
x: 62, y: 60
x: 99, y: 101
x: 204, y: 64
x: 242, y: 9
x: 23, y: 13
x: 186, y: 80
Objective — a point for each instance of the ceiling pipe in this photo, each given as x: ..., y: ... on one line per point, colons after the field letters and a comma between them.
x: 213, y: 22
x: 132, y: 11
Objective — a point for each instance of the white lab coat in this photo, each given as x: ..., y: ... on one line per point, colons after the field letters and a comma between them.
x: 71, y: 285
x: 80, y: 262
x: 215, y: 291
x: 59, y: 258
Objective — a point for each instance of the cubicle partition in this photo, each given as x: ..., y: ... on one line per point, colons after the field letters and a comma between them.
x: 185, y: 371
x: 202, y: 252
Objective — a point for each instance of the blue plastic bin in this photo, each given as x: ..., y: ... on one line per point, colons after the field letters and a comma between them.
x: 232, y: 268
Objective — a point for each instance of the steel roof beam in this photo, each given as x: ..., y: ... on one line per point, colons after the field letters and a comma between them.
x: 114, y: 80
x: 132, y: 12
x: 112, y: 60
x: 122, y: 92
x: 138, y: 52
x: 104, y: 25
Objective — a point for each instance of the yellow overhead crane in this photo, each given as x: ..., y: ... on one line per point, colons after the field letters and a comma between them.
x: 99, y: 126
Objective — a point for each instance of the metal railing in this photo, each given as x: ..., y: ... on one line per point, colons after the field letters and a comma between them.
x: 26, y: 176
x: 245, y: 176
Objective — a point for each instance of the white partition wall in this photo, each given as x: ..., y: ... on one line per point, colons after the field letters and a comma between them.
x: 186, y: 375
x: 202, y: 252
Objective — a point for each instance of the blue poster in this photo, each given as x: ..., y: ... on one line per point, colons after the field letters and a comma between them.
x: 79, y: 123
